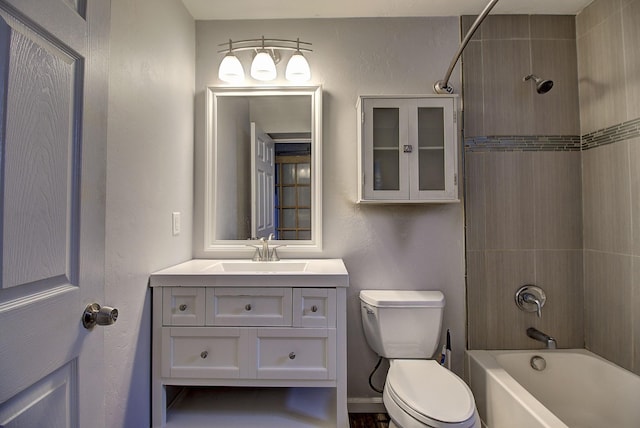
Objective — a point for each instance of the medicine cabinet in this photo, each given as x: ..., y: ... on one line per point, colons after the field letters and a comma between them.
x: 408, y: 151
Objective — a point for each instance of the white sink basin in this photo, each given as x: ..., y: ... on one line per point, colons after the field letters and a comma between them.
x: 263, y: 267
x: 247, y: 273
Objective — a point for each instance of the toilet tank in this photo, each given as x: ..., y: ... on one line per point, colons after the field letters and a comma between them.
x: 402, y: 323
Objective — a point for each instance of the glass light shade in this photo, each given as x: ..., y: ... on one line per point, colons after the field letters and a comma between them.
x: 230, y: 69
x: 298, y: 68
x: 263, y: 68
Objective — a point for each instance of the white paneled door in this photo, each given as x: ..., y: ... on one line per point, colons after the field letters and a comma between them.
x: 53, y: 101
x: 262, y: 183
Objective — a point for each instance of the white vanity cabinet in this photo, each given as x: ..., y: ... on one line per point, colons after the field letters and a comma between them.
x: 232, y: 334
x: 407, y: 149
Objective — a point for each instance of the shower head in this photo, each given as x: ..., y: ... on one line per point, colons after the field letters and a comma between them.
x: 542, y: 86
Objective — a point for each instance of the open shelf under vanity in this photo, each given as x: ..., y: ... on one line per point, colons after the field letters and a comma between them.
x: 195, y: 407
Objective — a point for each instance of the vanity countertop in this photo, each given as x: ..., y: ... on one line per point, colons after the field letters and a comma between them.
x: 247, y: 273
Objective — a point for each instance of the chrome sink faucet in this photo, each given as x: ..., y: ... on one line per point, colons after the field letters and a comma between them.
x: 265, y: 247
x: 536, y: 334
x: 263, y: 253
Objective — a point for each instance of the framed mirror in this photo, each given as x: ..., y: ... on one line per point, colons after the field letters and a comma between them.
x: 262, y: 168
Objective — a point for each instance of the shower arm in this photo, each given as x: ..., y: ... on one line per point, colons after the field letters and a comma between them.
x: 442, y: 86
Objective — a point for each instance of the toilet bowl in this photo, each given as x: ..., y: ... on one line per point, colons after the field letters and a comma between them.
x: 422, y: 393
x: 404, y: 326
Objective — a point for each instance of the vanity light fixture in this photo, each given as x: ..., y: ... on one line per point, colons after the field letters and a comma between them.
x: 267, y: 55
x: 263, y: 66
x: 230, y: 69
x: 298, y: 68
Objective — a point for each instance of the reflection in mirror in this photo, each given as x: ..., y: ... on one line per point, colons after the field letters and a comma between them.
x: 263, y: 166
x: 292, y: 187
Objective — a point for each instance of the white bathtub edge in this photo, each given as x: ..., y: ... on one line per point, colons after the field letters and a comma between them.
x: 490, y: 384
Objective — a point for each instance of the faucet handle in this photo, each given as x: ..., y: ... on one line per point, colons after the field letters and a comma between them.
x: 274, y: 254
x: 530, y: 298
x: 257, y: 254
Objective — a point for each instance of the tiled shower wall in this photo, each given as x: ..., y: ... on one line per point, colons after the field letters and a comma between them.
x: 538, y: 209
x: 608, y: 37
x: 523, y: 180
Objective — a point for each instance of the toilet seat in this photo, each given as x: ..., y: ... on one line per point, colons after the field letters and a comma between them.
x: 431, y: 394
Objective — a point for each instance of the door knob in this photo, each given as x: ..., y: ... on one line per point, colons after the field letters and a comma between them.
x: 100, y: 315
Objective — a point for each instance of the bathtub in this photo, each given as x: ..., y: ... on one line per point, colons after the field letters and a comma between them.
x: 576, y: 389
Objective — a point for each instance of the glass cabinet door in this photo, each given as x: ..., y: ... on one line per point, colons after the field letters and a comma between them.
x: 385, y: 163
x: 434, y: 166
x: 430, y: 148
x: 386, y: 148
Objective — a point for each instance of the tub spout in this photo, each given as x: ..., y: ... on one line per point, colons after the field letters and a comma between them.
x: 536, y: 334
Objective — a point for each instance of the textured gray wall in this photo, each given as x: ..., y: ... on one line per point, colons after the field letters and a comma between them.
x: 416, y: 247
x: 149, y: 175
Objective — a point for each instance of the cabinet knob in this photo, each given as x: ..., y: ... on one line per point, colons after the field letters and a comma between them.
x: 314, y: 308
x: 292, y: 355
x: 247, y: 307
x: 204, y: 354
x: 182, y: 307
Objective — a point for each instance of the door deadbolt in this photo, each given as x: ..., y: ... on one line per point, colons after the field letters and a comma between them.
x: 100, y: 315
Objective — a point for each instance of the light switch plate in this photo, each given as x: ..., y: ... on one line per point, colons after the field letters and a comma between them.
x: 175, y: 221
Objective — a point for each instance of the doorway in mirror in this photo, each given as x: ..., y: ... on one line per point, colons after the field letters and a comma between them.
x: 293, y: 187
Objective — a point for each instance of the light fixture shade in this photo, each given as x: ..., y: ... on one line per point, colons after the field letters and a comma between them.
x: 230, y: 69
x: 298, y: 68
x: 263, y: 68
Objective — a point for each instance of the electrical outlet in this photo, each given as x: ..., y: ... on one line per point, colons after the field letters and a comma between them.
x: 175, y: 217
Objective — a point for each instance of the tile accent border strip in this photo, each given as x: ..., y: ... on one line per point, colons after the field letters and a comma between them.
x: 620, y: 132
x: 530, y: 143
x: 522, y: 143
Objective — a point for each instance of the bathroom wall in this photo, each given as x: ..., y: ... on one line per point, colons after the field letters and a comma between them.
x: 149, y: 175
x: 608, y: 36
x: 522, y: 180
x: 402, y: 247
x: 234, y: 217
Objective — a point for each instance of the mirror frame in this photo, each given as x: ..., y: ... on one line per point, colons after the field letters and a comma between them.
x: 226, y: 248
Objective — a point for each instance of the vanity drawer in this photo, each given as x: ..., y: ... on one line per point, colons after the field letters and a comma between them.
x: 294, y: 353
x: 183, y: 306
x: 314, y: 307
x: 207, y: 352
x: 249, y: 306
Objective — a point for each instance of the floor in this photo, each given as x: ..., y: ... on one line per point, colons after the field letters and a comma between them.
x: 368, y: 420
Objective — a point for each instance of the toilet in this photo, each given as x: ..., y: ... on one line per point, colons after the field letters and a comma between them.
x: 404, y: 327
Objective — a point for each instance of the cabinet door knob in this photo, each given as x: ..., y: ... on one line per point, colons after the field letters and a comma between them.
x: 314, y: 308
x: 204, y: 354
x: 247, y: 307
x: 183, y: 307
x: 292, y: 355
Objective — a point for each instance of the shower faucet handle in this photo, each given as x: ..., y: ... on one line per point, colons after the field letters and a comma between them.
x: 531, y: 298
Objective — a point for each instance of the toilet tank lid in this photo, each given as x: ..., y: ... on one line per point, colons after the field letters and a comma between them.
x: 403, y: 298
